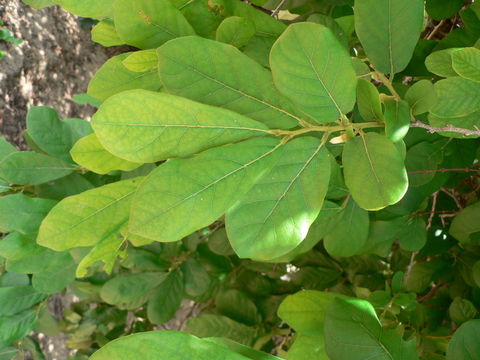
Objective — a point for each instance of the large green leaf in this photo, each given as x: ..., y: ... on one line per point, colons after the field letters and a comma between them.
x: 466, y: 63
x: 164, y: 345
x: 238, y: 306
x: 87, y: 218
x: 366, y: 339
x: 236, y: 31
x: 274, y: 216
x: 113, y: 77
x: 464, y: 344
x: 166, y: 300
x: 52, y: 135
x: 89, y: 153
x: 389, y: 31
x: 313, y: 69
x: 348, y: 231
x: 180, y: 197
x: 47, y: 279
x: 14, y: 299
x: 247, y: 351
x: 305, y: 311
x: 208, y: 71
x: 88, y: 8
x: 307, y: 348
x: 131, y: 291
x: 374, y: 171
x: 465, y: 226
x: 22, y: 213
x: 148, y: 24
x: 6, y: 148
x: 451, y: 99
x: 31, y: 168
x: 440, y: 62
x: 145, y: 126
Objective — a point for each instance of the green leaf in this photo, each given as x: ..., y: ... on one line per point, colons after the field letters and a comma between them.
x: 389, y: 31
x: 349, y: 231
x: 381, y: 236
x: 88, y: 8
x: 469, y: 122
x: 52, y: 135
x: 274, y: 216
x: 113, y: 77
x: 207, y: 325
x: 148, y: 24
x: 47, y: 279
x: 236, y: 31
x: 451, y: 99
x: 464, y: 344
x: 305, y: 311
x: 421, y: 158
x: 14, y: 299
x: 421, y: 97
x: 207, y: 71
x: 304, y: 70
x: 307, y: 348
x: 465, y: 226
x: 237, y: 306
x: 461, y: 310
x: 374, y: 171
x: 146, y: 126
x: 16, y: 246
x: 166, y: 300
x: 171, y: 345
x: 38, y: 4
x: 105, y: 251
x: 192, y: 198
x: 366, y: 338
x: 196, y: 279
x: 90, y: 154
x: 6, y: 148
x: 242, y: 349
x: 397, y: 119
x: 141, y: 61
x: 22, y: 213
x: 87, y: 218
x: 104, y: 33
x: 440, y: 9
x: 131, y: 291
x: 466, y: 63
x: 8, y: 353
x: 15, y: 327
x: 413, y: 235
x: 332, y: 24
x: 368, y: 101
x: 31, y: 168
x: 440, y: 62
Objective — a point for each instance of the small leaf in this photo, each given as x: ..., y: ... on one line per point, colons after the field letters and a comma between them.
x: 87, y: 218
x: 192, y: 198
x: 421, y: 158
x: 14, y: 299
x: 145, y: 126
x: 6, y: 148
x: 461, y: 310
x: 166, y: 300
x: 31, y: 168
x: 274, y: 216
x: 147, y: 24
x: 141, y: 61
x: 304, y: 69
x: 421, y: 97
x: 439, y: 9
x: 374, y: 171
x: 307, y: 348
x: 368, y: 101
x: 236, y: 31
x: 465, y: 226
x: 440, y: 62
x: 389, y: 31
x: 237, y: 306
x: 466, y: 63
x: 15, y: 327
x: 197, y: 281
x: 451, y: 99
x: 47, y: 279
x: 413, y: 235
x: 397, y: 119
x: 104, y: 33
x: 89, y: 153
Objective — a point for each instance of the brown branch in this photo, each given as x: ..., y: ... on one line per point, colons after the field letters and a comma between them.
x: 434, y: 205
x: 446, y: 128
x: 441, y: 170
x: 435, y: 30
x: 448, y: 212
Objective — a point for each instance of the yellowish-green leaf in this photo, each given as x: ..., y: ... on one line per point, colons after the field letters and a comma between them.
x: 236, y: 31
x: 421, y: 97
x: 88, y: 8
x: 368, y: 101
x: 466, y: 63
x: 440, y: 62
x: 141, y: 61
x: 397, y: 119
x: 89, y: 153
x: 105, y: 34
x: 451, y: 99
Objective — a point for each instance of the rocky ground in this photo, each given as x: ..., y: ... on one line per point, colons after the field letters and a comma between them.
x: 54, y: 62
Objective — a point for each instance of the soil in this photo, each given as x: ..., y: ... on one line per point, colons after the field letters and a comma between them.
x: 54, y: 62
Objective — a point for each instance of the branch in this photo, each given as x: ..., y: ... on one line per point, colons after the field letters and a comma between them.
x: 446, y: 128
x: 441, y: 170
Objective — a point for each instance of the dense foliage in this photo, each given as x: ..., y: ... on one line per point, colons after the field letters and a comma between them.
x: 304, y: 175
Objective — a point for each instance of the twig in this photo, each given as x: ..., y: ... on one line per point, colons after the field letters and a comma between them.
x: 448, y: 212
x: 277, y: 9
x: 435, y: 30
x: 452, y: 195
x: 442, y: 170
x: 434, y: 205
x: 446, y: 128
